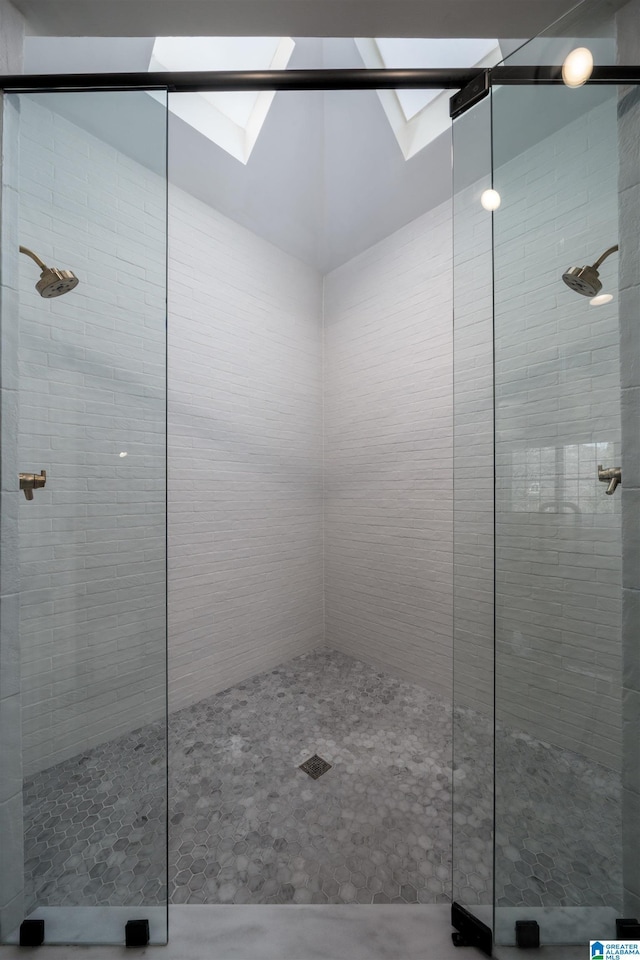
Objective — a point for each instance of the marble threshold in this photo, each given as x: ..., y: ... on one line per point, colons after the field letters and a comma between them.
x: 271, y: 932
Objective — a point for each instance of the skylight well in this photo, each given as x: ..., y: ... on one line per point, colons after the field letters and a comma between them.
x: 233, y: 120
x: 418, y: 116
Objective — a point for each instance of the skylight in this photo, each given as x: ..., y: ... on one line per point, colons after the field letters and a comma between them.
x: 419, y: 116
x: 233, y: 120
x: 398, y: 54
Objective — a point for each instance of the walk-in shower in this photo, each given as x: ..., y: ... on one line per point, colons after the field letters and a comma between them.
x: 462, y: 659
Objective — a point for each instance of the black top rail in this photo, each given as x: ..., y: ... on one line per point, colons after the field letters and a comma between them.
x: 205, y: 80
x: 553, y: 74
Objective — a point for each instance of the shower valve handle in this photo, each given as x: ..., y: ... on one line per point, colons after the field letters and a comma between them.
x: 32, y: 481
x: 612, y: 476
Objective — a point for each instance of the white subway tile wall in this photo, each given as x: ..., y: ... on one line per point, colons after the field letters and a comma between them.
x: 388, y: 453
x: 245, y: 453
x: 92, y: 385
x: 473, y: 513
x: 11, y: 809
x: 557, y: 407
x: 473, y: 516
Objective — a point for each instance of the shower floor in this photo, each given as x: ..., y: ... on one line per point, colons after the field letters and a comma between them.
x: 248, y: 826
x: 558, y: 823
x: 95, y: 826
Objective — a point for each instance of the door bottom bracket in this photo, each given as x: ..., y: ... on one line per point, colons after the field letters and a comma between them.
x: 471, y: 932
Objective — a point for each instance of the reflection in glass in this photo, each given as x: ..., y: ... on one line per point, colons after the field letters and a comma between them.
x: 561, y: 479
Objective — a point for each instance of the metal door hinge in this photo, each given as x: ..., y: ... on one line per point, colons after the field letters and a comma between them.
x: 470, y: 95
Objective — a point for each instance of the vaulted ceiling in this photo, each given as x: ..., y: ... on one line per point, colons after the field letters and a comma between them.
x: 326, y: 177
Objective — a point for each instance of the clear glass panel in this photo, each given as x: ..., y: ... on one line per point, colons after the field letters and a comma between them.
x: 567, y: 809
x: 473, y: 515
x: 85, y: 191
x: 592, y: 24
x: 310, y: 362
x: 562, y: 761
x: 558, y: 565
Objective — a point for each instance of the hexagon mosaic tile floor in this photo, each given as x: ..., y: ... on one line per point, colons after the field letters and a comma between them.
x: 254, y: 828
x: 558, y: 830
x: 248, y: 826
x: 95, y: 826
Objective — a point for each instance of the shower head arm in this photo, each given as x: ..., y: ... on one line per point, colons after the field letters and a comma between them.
x: 604, y: 256
x: 30, y: 253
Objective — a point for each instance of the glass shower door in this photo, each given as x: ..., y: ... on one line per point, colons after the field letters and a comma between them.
x: 473, y: 617
x: 84, y: 536
x: 561, y: 758
x: 546, y: 619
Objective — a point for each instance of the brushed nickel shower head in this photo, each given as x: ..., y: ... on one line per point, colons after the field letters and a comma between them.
x: 52, y: 282
x: 586, y: 280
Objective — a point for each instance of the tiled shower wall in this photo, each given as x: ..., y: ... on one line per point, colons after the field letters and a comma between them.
x: 473, y: 504
x: 388, y: 453
x: 246, y: 477
x: 245, y: 428
x: 92, y: 383
x: 245, y: 453
x: 11, y: 835
x: 557, y: 416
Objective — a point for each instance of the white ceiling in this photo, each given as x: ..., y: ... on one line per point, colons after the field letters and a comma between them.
x: 310, y: 18
x: 327, y: 178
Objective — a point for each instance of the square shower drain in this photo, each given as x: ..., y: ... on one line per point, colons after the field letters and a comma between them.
x: 315, y: 766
